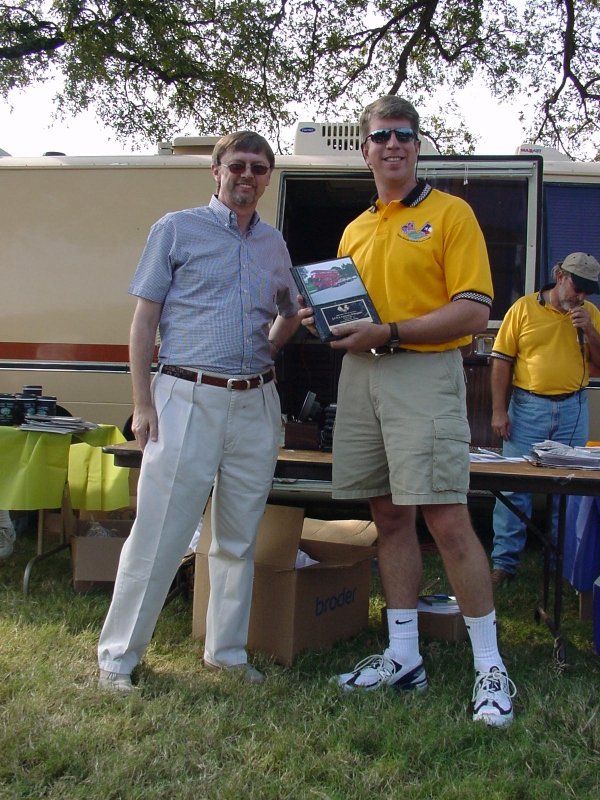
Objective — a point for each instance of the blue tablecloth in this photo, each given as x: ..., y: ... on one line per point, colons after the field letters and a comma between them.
x: 581, y: 564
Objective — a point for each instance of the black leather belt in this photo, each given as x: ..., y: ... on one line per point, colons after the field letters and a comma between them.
x: 387, y: 350
x: 237, y: 384
x: 557, y: 397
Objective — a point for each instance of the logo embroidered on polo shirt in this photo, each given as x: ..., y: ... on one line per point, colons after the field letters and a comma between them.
x: 410, y: 232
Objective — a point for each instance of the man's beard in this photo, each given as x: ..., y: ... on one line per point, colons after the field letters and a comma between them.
x: 244, y: 198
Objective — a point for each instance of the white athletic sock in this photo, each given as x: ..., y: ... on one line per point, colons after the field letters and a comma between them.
x: 484, y: 641
x: 404, y: 636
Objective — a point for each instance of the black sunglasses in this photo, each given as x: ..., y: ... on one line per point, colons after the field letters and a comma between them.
x: 385, y: 134
x: 239, y: 167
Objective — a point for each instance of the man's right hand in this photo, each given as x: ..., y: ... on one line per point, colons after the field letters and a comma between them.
x: 501, y: 424
x: 145, y: 425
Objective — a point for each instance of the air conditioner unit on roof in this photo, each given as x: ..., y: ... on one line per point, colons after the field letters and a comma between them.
x: 327, y: 138
x: 337, y: 139
x: 549, y: 153
x: 194, y: 145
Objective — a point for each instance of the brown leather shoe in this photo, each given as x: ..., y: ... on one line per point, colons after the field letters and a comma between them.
x: 116, y: 682
x: 501, y: 578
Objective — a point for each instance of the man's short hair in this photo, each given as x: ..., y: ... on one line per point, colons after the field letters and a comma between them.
x: 244, y: 141
x: 387, y: 107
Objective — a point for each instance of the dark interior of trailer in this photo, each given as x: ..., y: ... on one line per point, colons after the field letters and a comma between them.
x: 314, y: 210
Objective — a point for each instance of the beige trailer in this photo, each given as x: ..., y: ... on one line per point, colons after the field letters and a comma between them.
x: 73, y: 228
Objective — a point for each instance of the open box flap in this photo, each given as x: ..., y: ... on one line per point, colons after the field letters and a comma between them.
x: 278, y: 536
x: 334, y: 554
x: 280, y: 532
x: 343, y: 531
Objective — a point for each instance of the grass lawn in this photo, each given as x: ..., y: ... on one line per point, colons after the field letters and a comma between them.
x: 193, y: 733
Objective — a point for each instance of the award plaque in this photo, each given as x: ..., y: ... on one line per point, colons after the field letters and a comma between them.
x: 336, y: 293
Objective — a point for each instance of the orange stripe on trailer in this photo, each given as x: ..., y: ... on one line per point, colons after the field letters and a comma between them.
x: 64, y: 351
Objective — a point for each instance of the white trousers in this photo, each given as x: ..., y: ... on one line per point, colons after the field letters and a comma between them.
x: 206, y: 435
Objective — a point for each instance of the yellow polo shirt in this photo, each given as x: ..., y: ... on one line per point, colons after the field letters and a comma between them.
x: 543, y: 347
x: 415, y: 259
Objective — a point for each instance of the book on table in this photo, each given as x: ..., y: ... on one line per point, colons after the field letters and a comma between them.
x: 336, y: 293
x: 438, y: 604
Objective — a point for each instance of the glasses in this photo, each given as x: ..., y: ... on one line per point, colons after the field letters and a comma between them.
x: 385, y: 134
x: 239, y: 167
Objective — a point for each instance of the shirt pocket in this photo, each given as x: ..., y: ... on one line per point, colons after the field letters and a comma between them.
x: 451, y: 439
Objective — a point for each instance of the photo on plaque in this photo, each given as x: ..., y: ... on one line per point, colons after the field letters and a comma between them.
x: 336, y: 293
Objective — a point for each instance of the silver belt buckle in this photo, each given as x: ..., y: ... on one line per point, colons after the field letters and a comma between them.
x: 231, y: 381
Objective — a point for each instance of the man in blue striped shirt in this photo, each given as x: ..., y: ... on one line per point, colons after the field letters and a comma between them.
x: 215, y: 282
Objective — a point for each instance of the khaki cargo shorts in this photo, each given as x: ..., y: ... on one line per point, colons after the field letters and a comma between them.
x: 401, y: 428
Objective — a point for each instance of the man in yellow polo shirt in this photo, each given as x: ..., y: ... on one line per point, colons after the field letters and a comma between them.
x: 542, y: 352
x: 401, y: 435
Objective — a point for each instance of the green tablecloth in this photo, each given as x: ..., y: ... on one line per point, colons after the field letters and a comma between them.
x: 35, y: 465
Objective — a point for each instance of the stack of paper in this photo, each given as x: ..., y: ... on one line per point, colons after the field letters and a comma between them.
x: 481, y: 455
x: 555, y: 454
x: 39, y: 422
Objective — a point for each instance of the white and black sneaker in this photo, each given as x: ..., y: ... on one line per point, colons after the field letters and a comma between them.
x: 377, y: 671
x: 492, y: 701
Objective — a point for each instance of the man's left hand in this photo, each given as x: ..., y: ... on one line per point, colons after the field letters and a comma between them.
x: 360, y: 337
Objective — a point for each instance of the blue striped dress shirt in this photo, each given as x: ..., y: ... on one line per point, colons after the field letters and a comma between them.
x: 220, y: 289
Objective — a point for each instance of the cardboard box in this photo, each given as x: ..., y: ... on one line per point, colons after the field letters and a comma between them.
x: 435, y: 625
x: 302, y: 436
x: 57, y: 526
x: 95, y: 559
x: 343, y: 531
x: 296, y: 609
x: 442, y: 627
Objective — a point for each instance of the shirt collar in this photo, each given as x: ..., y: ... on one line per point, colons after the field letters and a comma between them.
x: 545, y: 288
x: 412, y: 199
x: 226, y: 216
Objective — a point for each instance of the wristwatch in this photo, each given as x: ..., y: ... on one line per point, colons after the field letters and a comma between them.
x: 394, y: 340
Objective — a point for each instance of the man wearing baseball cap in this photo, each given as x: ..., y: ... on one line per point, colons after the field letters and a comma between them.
x: 583, y: 269
x: 543, y: 350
